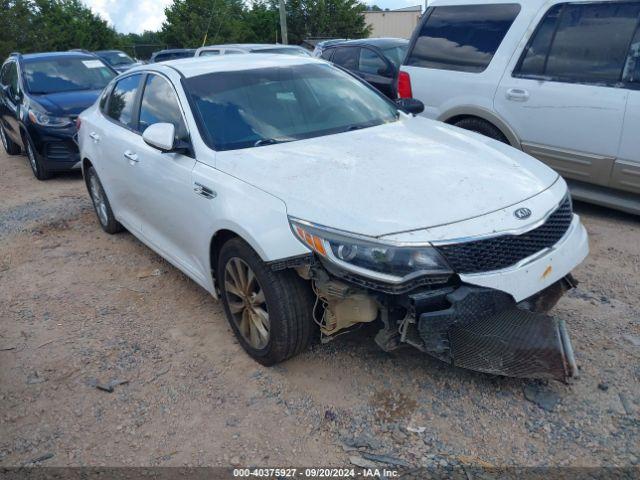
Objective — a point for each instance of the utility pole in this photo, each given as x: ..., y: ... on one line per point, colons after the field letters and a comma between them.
x: 283, y: 23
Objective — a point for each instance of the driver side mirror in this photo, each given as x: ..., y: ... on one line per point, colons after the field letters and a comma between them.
x: 160, y: 136
x: 411, y: 106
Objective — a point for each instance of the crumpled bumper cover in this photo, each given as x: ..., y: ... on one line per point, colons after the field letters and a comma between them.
x: 484, y: 330
x: 515, y: 343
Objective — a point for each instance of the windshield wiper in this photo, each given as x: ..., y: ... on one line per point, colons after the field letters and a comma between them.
x: 270, y: 141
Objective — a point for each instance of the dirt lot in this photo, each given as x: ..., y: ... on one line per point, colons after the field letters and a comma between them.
x: 78, y: 306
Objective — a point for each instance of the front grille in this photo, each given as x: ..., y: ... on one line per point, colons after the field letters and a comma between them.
x: 507, y: 250
x: 60, y: 151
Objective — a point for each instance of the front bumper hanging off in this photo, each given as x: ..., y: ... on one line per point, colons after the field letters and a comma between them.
x: 482, y: 329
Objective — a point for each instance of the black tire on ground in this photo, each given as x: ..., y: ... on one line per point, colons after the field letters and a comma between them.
x: 38, y: 167
x: 288, y: 302
x: 101, y: 204
x: 11, y: 147
x: 482, y: 127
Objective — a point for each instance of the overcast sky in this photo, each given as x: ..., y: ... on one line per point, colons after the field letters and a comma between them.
x: 140, y: 15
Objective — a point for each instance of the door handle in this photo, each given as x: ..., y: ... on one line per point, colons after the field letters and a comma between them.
x: 94, y: 136
x: 132, y: 157
x: 517, y: 94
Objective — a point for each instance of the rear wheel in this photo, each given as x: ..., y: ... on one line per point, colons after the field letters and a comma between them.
x: 482, y: 127
x: 269, y: 312
x: 11, y: 147
x: 101, y: 204
x: 38, y: 167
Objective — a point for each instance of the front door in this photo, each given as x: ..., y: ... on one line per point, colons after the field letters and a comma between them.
x: 9, y: 109
x: 563, y: 97
x: 626, y: 170
x: 165, y: 190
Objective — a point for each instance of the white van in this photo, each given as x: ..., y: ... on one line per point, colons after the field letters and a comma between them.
x: 557, y: 79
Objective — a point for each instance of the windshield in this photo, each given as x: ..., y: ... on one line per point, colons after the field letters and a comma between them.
x: 55, y: 75
x: 287, y: 51
x: 117, y: 58
x: 396, y: 54
x: 249, y: 108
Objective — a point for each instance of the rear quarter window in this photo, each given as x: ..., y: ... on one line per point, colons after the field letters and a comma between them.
x: 462, y: 38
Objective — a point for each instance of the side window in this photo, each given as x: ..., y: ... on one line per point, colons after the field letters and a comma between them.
x: 590, y: 44
x: 122, y: 99
x: 462, y: 38
x: 347, y: 57
x: 12, y: 79
x: 632, y: 67
x: 535, y: 56
x: 371, y: 62
x: 209, y: 53
x: 103, y: 97
x: 326, y: 54
x: 160, y: 105
x: 4, y: 74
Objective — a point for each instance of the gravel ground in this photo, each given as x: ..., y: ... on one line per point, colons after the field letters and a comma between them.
x: 80, y: 308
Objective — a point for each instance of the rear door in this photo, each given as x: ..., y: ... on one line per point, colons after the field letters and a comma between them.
x: 377, y: 70
x: 563, y: 96
x: 458, y: 54
x: 347, y: 57
x: 115, y: 133
x: 626, y: 169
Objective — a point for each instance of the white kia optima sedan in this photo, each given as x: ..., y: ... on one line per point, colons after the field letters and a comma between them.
x: 311, y: 205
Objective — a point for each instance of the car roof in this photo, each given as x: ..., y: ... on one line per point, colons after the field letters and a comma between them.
x: 376, y: 42
x: 174, y: 50
x: 108, y: 51
x: 193, y: 67
x: 32, y: 57
x: 251, y: 46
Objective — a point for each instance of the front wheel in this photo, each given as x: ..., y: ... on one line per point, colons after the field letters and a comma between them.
x: 269, y: 312
x: 482, y: 127
x: 38, y: 167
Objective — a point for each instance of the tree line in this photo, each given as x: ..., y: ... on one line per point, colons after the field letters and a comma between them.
x: 56, y: 25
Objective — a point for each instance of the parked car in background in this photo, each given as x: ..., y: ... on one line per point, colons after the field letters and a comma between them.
x: 118, y: 60
x: 559, y: 80
x: 377, y: 60
x: 41, y: 96
x: 320, y: 46
x: 306, y: 200
x: 251, y: 48
x: 172, y: 54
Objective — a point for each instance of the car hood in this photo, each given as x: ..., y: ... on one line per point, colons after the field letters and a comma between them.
x: 67, y: 103
x: 407, y: 175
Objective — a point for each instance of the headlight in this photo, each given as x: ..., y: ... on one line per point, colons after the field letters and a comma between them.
x: 368, y: 257
x: 41, y: 118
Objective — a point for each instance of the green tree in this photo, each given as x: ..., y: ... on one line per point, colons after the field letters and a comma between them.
x: 51, y: 25
x: 326, y: 18
x: 188, y: 22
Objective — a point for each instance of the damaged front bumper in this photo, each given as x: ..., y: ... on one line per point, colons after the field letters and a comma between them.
x: 485, y: 330
x: 493, y: 322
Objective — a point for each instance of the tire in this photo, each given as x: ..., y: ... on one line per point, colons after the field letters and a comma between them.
x: 483, y: 128
x: 101, y: 204
x: 38, y: 167
x: 283, y: 296
x: 11, y: 147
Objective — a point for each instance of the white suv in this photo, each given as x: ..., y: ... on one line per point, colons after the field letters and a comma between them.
x: 300, y: 195
x: 557, y: 79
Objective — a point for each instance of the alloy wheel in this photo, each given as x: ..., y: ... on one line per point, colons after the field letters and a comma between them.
x: 4, y: 139
x: 98, y: 200
x: 247, y: 304
x: 32, y: 159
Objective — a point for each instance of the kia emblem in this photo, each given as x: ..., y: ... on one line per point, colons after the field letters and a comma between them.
x: 522, y: 213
